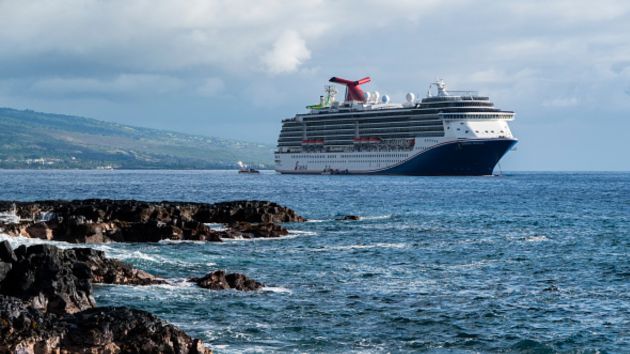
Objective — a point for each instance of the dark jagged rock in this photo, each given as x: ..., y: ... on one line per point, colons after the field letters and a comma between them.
x: 348, y: 218
x: 260, y: 230
x: 49, y: 279
x: 102, y: 220
x: 111, y: 271
x: 59, y: 281
x: 219, y: 280
x: 7, y: 257
x: 6, y: 252
x: 249, y: 211
x: 24, y: 329
x: 46, y: 306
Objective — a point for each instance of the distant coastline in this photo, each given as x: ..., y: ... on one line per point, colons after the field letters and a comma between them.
x: 41, y: 141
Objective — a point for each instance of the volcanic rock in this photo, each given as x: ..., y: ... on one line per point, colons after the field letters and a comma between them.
x: 49, y: 279
x: 218, y: 280
x: 111, y: 271
x: 46, y: 306
x: 258, y: 230
x: 103, y: 220
x: 6, y: 252
x: 24, y: 329
x: 39, y: 230
x: 349, y: 218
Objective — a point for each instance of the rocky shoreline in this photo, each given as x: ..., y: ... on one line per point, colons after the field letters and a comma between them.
x: 47, y: 306
x: 105, y: 220
x: 46, y: 301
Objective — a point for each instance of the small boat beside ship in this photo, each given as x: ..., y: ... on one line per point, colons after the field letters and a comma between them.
x: 243, y: 168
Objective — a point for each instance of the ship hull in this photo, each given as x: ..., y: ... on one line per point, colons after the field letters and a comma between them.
x: 474, y: 157
x: 461, y: 158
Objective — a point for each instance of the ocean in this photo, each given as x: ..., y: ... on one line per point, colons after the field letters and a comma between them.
x: 522, y: 262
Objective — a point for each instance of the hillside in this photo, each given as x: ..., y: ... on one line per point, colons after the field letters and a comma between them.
x: 31, y: 139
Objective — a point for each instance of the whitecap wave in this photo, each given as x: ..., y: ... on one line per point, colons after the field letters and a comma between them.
x: 302, y: 232
x: 353, y: 247
x: 376, y: 217
x: 17, y: 241
x: 318, y: 220
x: 174, y: 242
x: 216, y: 226
x: 536, y: 238
x: 9, y: 217
x: 277, y: 289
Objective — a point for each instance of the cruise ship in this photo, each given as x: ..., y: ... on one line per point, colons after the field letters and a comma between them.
x: 445, y: 133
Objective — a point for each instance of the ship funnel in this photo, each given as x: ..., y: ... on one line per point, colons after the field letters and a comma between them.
x: 353, y: 88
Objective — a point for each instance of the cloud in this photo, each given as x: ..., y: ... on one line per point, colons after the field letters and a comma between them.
x: 124, y: 84
x: 562, y: 102
x: 211, y: 87
x: 287, y: 54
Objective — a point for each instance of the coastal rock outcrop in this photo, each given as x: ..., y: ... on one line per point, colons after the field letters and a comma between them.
x: 219, y: 280
x: 59, y: 281
x: 24, y: 329
x: 46, y: 306
x: 49, y: 279
x: 259, y: 230
x: 348, y: 218
x: 103, y: 220
x: 112, y: 271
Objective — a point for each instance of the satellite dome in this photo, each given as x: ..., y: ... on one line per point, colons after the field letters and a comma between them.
x: 385, y: 99
x: 411, y: 97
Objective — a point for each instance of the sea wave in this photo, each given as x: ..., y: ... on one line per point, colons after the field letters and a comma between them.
x: 277, y: 289
x: 536, y: 238
x: 368, y: 246
x: 216, y: 226
x: 376, y: 217
x: 17, y: 241
x: 318, y: 220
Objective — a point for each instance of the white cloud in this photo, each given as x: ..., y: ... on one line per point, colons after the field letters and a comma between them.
x: 287, y: 54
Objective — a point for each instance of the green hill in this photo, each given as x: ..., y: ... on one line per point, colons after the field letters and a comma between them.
x: 31, y: 139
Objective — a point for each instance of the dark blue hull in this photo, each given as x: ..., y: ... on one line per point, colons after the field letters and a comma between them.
x: 474, y: 157
x: 458, y: 158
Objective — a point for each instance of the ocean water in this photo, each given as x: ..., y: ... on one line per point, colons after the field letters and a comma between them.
x: 523, y: 263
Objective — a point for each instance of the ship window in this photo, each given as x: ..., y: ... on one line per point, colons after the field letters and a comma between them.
x: 476, y: 131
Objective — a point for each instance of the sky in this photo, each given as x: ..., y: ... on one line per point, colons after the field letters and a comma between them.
x: 235, y: 68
